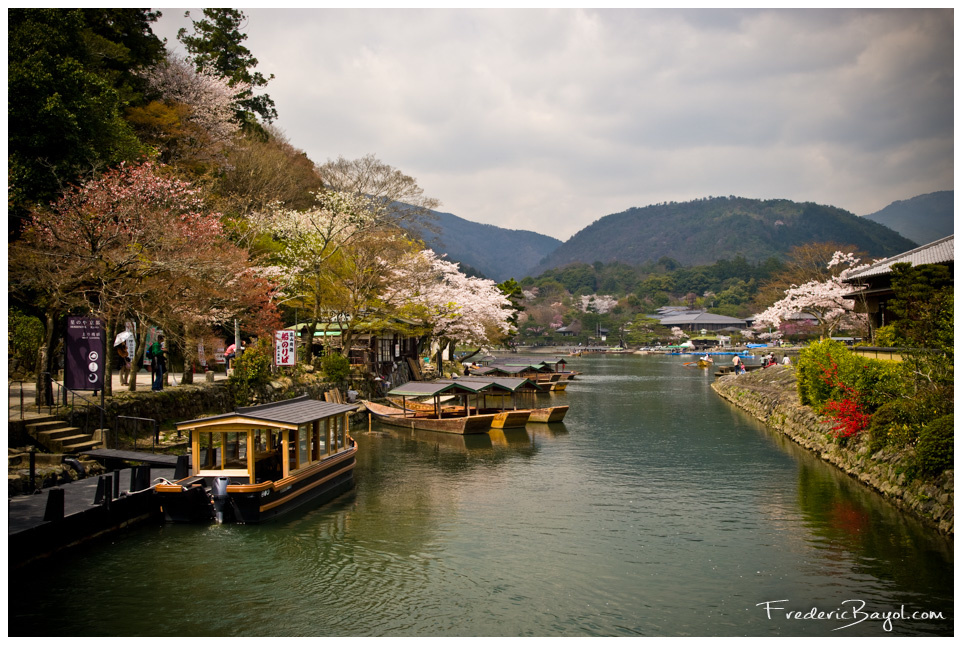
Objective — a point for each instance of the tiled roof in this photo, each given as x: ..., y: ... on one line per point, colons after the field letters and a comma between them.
x: 293, y: 412
x: 937, y: 252
x: 703, y: 318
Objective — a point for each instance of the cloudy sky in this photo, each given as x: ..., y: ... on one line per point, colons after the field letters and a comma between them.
x: 547, y: 120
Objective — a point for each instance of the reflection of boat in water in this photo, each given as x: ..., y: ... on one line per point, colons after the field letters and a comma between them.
x: 448, y: 441
x: 270, y: 459
x: 511, y: 437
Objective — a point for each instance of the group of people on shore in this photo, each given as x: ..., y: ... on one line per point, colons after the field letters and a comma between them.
x: 768, y: 360
x: 156, y: 352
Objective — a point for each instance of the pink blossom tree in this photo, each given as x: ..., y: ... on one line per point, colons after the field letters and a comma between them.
x: 824, y: 300
x: 133, y: 243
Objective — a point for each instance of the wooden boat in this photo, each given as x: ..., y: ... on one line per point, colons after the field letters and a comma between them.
x: 703, y: 363
x: 553, y: 414
x: 514, y: 387
x: 262, y: 461
x: 423, y: 420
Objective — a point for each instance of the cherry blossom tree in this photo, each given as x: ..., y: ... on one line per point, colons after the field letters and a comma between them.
x: 133, y: 243
x: 450, y: 306
x: 823, y: 299
x: 193, y: 117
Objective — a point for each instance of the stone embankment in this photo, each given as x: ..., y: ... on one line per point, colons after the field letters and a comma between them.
x: 771, y: 396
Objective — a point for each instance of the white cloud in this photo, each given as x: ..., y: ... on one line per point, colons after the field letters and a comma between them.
x: 549, y: 119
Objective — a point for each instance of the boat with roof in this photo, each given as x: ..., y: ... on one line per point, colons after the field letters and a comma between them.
x: 260, y: 462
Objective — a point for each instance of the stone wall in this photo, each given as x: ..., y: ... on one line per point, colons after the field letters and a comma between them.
x: 771, y: 396
x: 179, y: 403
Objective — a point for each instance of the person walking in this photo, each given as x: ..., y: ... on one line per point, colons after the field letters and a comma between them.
x: 158, y: 363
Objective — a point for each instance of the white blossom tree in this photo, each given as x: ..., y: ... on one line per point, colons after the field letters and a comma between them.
x: 449, y: 306
x: 192, y: 117
x: 824, y: 300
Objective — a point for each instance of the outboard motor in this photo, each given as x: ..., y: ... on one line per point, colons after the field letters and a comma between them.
x: 221, y: 499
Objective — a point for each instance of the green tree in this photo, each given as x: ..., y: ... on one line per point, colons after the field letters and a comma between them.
x: 70, y: 74
x: 216, y: 45
x: 922, y: 304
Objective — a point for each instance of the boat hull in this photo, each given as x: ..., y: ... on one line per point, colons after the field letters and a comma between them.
x: 548, y: 415
x: 511, y: 419
x: 476, y: 424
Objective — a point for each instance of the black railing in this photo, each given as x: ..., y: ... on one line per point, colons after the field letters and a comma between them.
x: 69, y: 400
x: 138, y: 422
x: 15, y: 388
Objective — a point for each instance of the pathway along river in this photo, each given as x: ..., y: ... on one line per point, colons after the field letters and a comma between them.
x: 656, y: 509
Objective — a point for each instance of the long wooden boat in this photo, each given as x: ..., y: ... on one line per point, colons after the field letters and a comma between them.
x: 261, y: 462
x: 424, y: 420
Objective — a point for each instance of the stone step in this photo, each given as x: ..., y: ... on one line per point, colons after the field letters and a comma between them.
x: 34, y: 428
x: 83, y: 446
x: 56, y: 434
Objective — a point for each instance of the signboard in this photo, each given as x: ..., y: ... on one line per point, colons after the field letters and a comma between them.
x: 284, y: 353
x: 84, y: 360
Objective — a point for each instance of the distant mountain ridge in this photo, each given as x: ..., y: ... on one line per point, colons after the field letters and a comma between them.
x: 498, y: 253
x: 922, y: 219
x: 704, y: 231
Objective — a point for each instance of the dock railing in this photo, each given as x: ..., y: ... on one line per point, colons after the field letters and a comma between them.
x: 138, y: 422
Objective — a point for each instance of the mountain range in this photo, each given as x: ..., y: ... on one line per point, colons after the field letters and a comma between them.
x: 697, y: 232
x: 922, y: 219
x: 495, y: 252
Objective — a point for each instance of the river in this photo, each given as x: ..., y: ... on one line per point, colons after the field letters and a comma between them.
x: 655, y: 509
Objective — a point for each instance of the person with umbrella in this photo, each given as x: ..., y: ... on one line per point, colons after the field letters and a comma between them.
x: 121, y: 344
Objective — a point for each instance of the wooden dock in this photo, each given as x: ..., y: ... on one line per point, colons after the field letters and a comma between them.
x: 65, y: 516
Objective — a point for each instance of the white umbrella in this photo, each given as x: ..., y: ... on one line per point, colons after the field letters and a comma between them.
x: 122, y: 337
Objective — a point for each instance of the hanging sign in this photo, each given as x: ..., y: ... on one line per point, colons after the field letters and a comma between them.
x: 84, y: 360
x: 284, y: 353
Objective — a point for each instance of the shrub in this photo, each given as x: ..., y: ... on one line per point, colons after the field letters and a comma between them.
x: 934, y: 451
x: 336, y: 368
x: 881, y: 382
x: 251, y: 369
x: 24, y: 337
x: 822, y: 358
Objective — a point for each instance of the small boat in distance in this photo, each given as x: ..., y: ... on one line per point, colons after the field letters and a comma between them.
x: 260, y: 462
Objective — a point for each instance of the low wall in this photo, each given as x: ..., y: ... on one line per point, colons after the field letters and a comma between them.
x: 181, y: 403
x: 771, y: 396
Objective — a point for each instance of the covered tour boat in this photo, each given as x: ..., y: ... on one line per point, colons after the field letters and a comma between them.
x: 259, y: 462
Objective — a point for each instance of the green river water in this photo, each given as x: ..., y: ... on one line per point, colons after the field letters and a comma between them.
x: 655, y: 509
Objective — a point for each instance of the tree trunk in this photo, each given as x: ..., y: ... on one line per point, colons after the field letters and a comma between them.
x: 138, y: 358
x: 110, y: 332
x: 45, y: 361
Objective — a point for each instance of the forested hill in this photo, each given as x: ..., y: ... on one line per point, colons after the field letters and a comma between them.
x: 707, y: 230
x: 922, y: 219
x: 497, y: 253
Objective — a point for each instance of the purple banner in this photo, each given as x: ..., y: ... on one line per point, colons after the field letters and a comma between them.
x: 84, y: 362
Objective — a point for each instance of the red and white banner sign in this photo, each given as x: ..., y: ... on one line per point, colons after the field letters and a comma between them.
x: 284, y: 353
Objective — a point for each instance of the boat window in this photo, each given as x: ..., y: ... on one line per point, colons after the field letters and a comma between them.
x: 304, y: 447
x: 234, y: 451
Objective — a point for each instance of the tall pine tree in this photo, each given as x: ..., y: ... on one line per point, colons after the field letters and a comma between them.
x: 216, y: 46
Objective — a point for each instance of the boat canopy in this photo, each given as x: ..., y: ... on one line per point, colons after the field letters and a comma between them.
x: 508, y: 385
x: 268, y: 442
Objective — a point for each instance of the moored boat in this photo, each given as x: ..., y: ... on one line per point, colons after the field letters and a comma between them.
x: 262, y: 461
x: 425, y: 420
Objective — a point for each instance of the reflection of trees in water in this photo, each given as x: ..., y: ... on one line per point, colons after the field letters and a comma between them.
x: 884, y: 542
